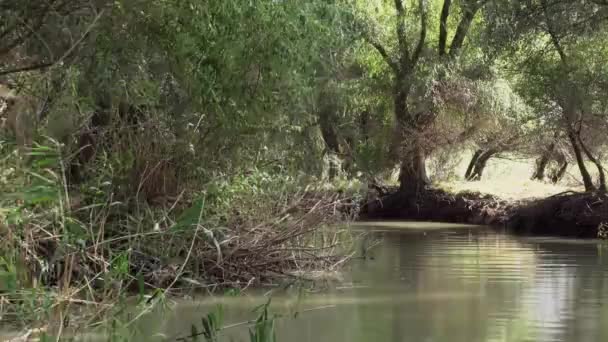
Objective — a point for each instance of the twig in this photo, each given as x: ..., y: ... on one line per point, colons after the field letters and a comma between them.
x: 63, y: 57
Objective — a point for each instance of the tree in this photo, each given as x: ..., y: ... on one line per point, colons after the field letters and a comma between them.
x: 508, y: 124
x: 404, y: 60
x: 556, y: 43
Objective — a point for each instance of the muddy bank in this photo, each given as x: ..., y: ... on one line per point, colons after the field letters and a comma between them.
x: 582, y: 215
x: 438, y: 205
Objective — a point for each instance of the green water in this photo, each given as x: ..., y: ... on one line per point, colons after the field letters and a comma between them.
x: 436, y: 282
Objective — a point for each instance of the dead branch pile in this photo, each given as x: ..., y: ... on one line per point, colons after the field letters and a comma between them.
x: 246, y: 251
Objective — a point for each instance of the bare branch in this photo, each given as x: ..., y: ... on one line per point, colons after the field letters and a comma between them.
x: 25, y: 68
x: 63, y: 57
x: 39, y: 20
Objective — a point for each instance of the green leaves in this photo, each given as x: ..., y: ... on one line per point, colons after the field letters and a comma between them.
x: 211, y: 325
x: 8, y: 275
x: 264, y: 326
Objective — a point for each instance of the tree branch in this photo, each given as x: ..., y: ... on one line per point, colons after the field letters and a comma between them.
x: 402, y: 34
x: 380, y: 48
x: 597, y: 162
x: 443, y: 26
x: 423, y: 25
x: 23, y: 37
x: 552, y: 34
x: 463, y: 27
x: 600, y: 2
x: 25, y: 68
x: 63, y: 57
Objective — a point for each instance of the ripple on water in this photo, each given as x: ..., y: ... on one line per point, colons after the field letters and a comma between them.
x: 436, y: 282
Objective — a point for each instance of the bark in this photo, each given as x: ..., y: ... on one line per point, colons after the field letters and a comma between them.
x: 587, y: 181
x: 559, y: 174
x: 402, y: 117
x: 413, y: 176
x: 443, y: 26
x: 598, y: 164
x: 541, y: 166
x: 480, y: 164
x: 330, y: 137
x: 463, y: 28
x: 422, y: 39
x: 364, y: 121
x: 542, y: 162
x: 476, y: 155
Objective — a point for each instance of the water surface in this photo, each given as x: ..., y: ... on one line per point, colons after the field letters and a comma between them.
x: 435, y: 282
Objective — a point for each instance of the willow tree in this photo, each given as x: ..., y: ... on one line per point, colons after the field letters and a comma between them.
x: 409, y: 50
x: 561, y: 53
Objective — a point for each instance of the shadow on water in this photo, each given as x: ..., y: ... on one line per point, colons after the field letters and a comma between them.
x: 436, y: 282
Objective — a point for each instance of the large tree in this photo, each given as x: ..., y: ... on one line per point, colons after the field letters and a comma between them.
x: 404, y: 51
x: 560, y: 50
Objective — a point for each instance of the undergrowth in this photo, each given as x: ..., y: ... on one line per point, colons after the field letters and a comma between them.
x: 74, y: 255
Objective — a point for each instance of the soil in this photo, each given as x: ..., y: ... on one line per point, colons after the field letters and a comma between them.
x: 583, y: 215
x: 571, y: 214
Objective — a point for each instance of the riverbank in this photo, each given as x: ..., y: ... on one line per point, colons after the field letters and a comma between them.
x: 101, y: 258
x: 569, y: 214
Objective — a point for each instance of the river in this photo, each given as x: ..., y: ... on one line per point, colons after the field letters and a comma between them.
x: 426, y: 282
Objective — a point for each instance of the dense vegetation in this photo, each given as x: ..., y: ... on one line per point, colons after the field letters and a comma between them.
x: 150, y: 143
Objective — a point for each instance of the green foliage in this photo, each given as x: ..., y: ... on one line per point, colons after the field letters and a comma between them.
x: 264, y: 327
x: 177, y: 126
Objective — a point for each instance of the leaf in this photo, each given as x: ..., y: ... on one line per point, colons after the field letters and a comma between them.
x: 140, y: 286
x: 194, y: 333
x: 190, y: 216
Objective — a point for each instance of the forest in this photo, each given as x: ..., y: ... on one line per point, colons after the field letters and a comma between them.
x: 156, y: 144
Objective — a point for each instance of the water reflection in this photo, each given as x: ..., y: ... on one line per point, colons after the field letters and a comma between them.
x: 454, y: 284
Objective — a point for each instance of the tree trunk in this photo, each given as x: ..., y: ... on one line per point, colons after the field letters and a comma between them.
x: 587, y: 181
x: 597, y: 163
x: 413, y: 176
x: 480, y: 165
x: 541, y: 166
x: 402, y: 116
x: 557, y: 176
x: 364, y: 123
x: 476, y: 155
x: 542, y: 162
x: 329, y: 134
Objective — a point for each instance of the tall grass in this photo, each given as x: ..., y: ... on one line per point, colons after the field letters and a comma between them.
x: 80, y: 255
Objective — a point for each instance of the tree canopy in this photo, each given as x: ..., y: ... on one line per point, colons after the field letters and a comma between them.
x: 341, y: 87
